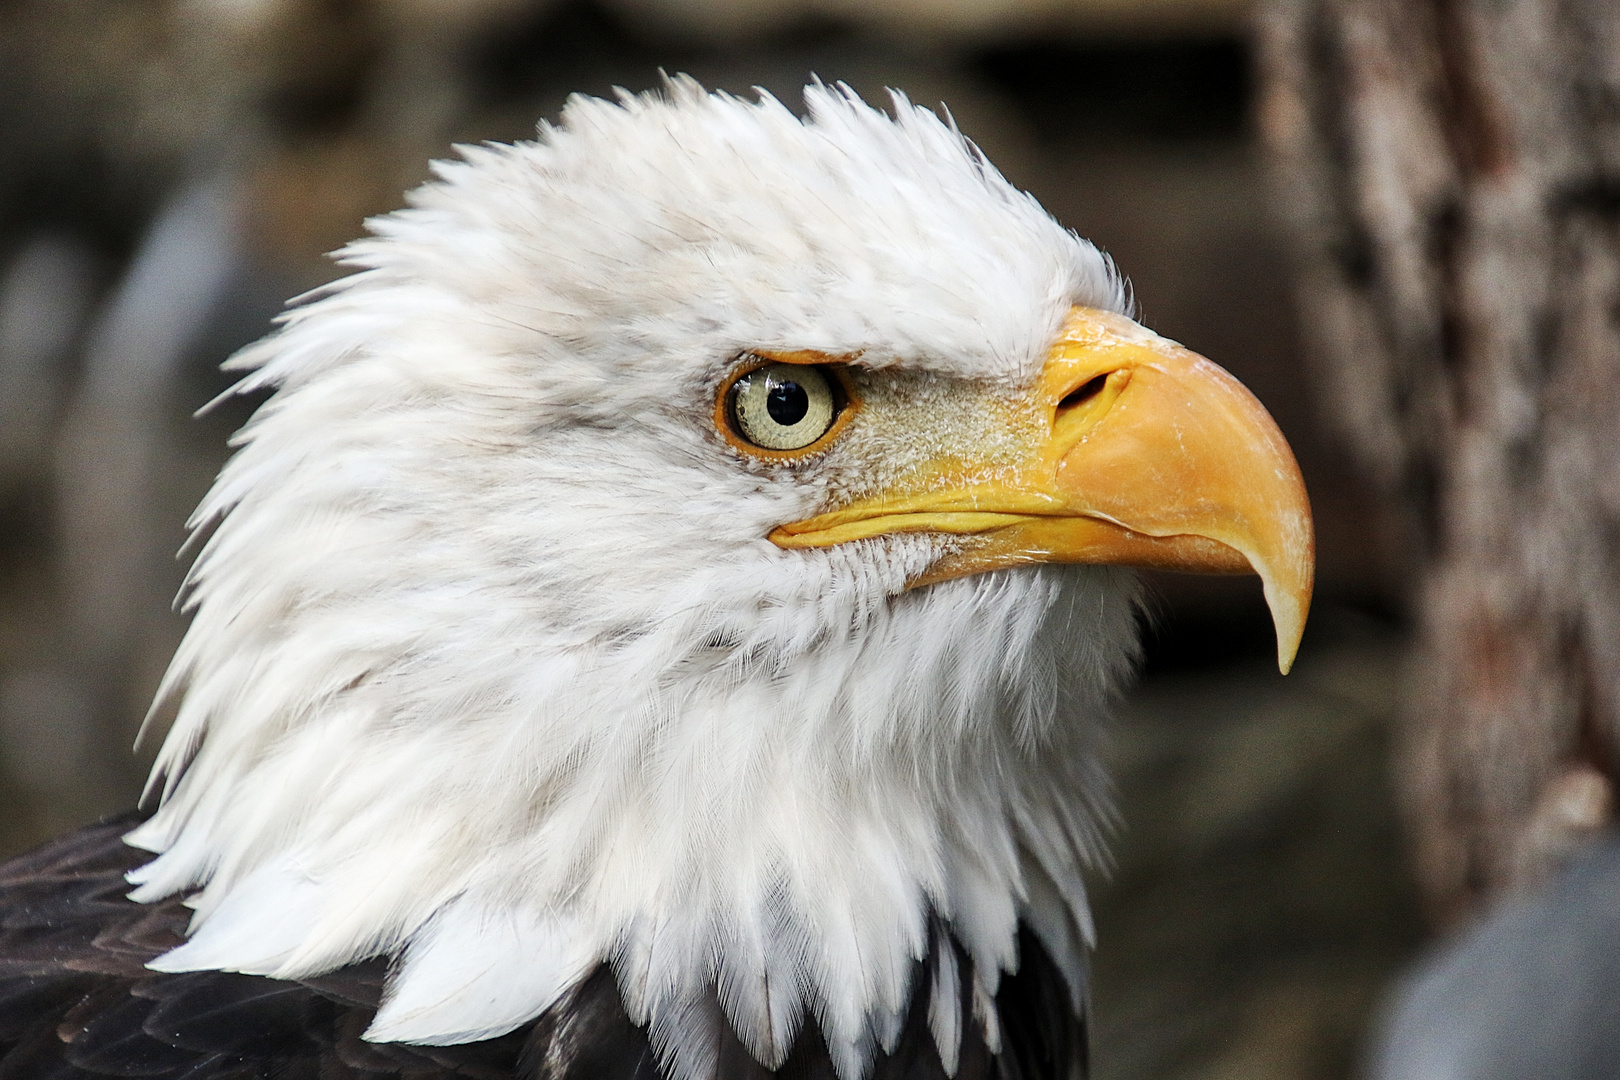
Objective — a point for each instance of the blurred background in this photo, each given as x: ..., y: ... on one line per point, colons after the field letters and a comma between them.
x: 171, y: 171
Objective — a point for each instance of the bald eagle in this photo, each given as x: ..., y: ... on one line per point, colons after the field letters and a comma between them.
x: 659, y: 626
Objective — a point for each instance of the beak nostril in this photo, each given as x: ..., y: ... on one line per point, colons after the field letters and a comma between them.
x: 1082, y: 394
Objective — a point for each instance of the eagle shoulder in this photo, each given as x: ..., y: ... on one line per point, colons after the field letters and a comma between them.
x: 78, y: 1003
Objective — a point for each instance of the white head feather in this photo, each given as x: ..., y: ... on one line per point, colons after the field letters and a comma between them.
x: 492, y: 667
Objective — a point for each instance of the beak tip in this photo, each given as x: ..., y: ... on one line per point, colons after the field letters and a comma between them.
x: 1288, y: 617
x: 1287, y: 575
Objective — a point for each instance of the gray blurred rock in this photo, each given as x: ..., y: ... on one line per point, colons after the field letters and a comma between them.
x: 1532, y: 992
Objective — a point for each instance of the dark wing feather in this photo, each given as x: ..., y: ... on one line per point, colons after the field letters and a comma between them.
x: 39, y: 1055
x: 106, y: 1034
x: 78, y: 1003
x: 1041, y: 1037
x: 27, y: 1002
x: 217, y: 1012
x: 589, y: 1037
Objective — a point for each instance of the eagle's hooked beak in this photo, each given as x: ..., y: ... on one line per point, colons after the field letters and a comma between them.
x: 1154, y: 457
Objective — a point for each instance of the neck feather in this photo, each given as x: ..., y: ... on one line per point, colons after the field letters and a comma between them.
x: 723, y: 809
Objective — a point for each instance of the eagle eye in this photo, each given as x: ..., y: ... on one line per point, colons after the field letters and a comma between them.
x: 783, y: 407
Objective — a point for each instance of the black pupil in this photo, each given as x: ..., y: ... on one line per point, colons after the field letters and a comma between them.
x: 787, y: 403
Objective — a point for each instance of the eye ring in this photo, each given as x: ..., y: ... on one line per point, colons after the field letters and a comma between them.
x: 784, y: 406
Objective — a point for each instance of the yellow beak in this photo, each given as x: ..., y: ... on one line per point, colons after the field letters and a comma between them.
x: 1153, y: 456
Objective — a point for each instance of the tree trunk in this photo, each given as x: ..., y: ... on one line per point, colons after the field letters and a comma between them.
x: 1450, y: 170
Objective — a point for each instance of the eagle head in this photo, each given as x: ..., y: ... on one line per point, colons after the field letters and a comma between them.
x: 694, y: 542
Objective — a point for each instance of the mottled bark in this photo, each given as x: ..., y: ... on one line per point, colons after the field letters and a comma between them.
x: 1451, y: 172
